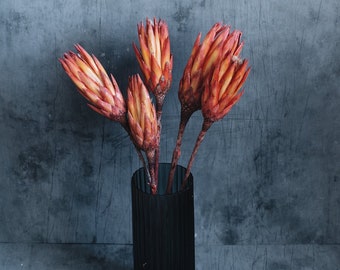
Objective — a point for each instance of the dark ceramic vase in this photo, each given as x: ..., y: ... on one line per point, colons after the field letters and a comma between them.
x: 163, y: 224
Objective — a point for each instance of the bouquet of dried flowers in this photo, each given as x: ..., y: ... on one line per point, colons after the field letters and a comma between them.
x: 211, y: 82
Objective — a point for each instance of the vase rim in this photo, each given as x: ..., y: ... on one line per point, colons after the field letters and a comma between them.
x: 189, y: 186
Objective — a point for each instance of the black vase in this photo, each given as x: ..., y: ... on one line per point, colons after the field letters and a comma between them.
x: 163, y: 224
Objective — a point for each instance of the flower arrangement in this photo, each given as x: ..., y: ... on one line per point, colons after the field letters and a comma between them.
x: 212, y: 82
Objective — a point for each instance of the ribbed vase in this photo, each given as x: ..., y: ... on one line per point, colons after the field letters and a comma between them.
x: 163, y: 224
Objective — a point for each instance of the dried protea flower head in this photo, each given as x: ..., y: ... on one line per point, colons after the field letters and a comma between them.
x: 94, y: 84
x: 154, y: 57
x: 223, y: 73
x: 143, y: 124
x: 203, y: 58
x: 223, y: 88
x: 141, y: 115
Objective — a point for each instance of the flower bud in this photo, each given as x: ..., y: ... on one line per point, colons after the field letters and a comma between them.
x: 94, y: 84
x: 141, y: 115
x: 222, y: 88
x: 200, y: 63
x: 154, y: 57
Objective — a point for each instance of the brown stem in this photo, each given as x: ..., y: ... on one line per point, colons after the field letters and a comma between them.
x: 141, y: 157
x: 150, y: 155
x: 139, y: 152
x: 159, y: 106
x: 159, y: 110
x: 205, y: 126
x: 177, y: 151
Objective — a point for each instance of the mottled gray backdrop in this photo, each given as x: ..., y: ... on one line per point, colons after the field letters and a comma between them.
x: 266, y: 175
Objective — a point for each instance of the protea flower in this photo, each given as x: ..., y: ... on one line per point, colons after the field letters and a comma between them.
x: 154, y: 57
x: 143, y: 123
x: 201, y: 60
x: 155, y: 61
x: 221, y: 88
x: 95, y: 85
x: 101, y: 91
x: 204, y: 56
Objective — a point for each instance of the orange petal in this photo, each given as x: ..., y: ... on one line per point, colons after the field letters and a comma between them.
x: 158, y: 48
x: 118, y: 93
x: 225, y: 64
x: 101, y: 70
x: 165, y: 53
x: 82, y: 65
x: 144, y: 51
x: 89, y: 83
x: 106, y: 96
x: 204, y: 48
x: 196, y: 81
x: 143, y: 66
x: 184, y: 83
x: 239, y: 49
x: 209, y: 38
x: 155, y: 68
x: 68, y: 71
x: 136, y: 131
x: 227, y: 79
x: 220, y: 37
x: 131, y: 105
x: 211, y: 60
x: 167, y: 71
x: 196, y: 47
x: 88, y: 94
x: 237, y: 78
x: 72, y: 67
x: 141, y: 119
x: 232, y: 41
x: 103, y: 105
x: 228, y: 104
x: 107, y: 83
x: 151, y: 44
x: 163, y: 30
x: 86, y: 56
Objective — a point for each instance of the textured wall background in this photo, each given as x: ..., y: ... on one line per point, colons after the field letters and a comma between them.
x: 269, y: 173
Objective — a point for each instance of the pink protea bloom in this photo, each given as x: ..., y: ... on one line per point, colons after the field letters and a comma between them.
x: 94, y: 84
x: 204, y: 57
x: 224, y: 77
x: 218, y: 42
x: 141, y: 115
x: 154, y: 57
x: 223, y: 89
x: 143, y: 124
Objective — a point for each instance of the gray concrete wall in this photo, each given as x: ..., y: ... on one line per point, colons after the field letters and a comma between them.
x: 269, y: 173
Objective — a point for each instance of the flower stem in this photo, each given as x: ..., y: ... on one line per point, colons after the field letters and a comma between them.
x: 141, y: 157
x: 150, y: 155
x: 177, y: 151
x: 159, y: 107
x: 159, y: 110
x: 205, y: 126
x: 139, y: 152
